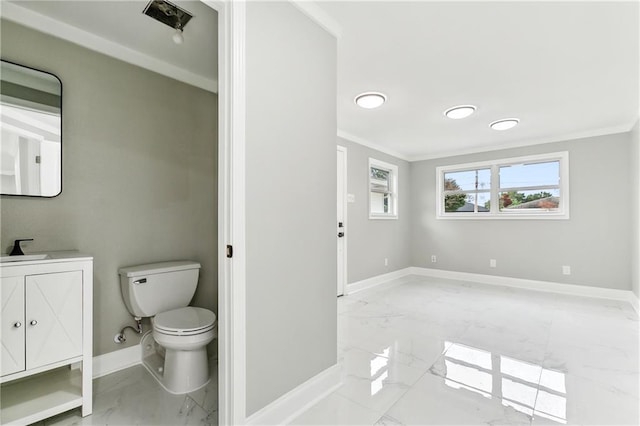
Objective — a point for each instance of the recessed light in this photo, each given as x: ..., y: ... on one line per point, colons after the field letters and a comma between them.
x: 504, y: 124
x: 370, y: 100
x: 460, y: 111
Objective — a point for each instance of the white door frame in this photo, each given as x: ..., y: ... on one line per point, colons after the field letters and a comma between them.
x: 342, y: 291
x: 231, y: 210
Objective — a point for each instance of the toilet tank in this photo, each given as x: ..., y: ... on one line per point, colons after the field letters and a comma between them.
x: 157, y: 287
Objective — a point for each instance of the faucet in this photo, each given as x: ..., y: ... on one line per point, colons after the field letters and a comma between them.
x: 17, y: 250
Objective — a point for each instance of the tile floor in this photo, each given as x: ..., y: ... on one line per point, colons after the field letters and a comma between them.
x: 133, y: 397
x: 430, y: 351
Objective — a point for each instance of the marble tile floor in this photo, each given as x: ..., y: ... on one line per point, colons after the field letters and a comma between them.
x: 133, y: 397
x: 421, y: 350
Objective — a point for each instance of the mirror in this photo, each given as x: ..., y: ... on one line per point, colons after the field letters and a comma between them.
x: 31, y: 126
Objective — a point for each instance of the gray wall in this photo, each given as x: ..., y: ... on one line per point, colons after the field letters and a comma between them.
x: 139, y: 173
x: 595, y: 242
x: 370, y: 241
x: 290, y: 201
x: 635, y: 208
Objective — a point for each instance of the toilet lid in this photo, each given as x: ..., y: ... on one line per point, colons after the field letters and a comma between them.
x: 184, y: 320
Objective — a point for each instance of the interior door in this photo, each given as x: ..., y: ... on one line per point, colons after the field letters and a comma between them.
x: 342, y: 218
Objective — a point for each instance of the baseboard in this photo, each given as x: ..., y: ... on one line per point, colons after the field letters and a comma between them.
x: 290, y: 405
x: 116, y: 361
x: 547, y: 286
x: 377, y: 280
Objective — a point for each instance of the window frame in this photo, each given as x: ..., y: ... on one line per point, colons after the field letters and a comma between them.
x: 494, y: 166
x: 393, y: 189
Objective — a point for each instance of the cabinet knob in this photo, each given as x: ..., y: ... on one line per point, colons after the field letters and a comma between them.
x: 17, y: 324
x: 33, y: 322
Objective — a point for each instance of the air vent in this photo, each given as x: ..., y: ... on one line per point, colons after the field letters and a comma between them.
x: 168, y: 13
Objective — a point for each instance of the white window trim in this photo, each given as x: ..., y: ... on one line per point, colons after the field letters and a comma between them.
x: 495, y: 213
x: 394, y: 189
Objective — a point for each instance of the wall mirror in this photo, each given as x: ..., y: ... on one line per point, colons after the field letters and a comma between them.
x: 31, y: 125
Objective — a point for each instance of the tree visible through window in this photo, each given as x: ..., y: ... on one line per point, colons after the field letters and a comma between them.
x: 515, y: 187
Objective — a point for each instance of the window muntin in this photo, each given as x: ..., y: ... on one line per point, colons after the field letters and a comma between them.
x: 383, y: 190
x: 523, y: 187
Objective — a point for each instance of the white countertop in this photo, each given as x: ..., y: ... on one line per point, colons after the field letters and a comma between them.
x: 52, y: 257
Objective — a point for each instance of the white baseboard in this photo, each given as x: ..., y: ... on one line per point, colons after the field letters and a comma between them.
x: 377, y: 280
x: 547, y: 286
x: 290, y: 405
x: 116, y: 361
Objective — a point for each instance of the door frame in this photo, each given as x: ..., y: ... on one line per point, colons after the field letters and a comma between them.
x: 231, y: 210
x: 344, y: 218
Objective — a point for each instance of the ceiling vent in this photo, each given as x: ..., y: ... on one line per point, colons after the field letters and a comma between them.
x: 168, y: 13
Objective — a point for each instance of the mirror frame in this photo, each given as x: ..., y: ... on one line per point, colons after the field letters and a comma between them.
x: 2, y: 194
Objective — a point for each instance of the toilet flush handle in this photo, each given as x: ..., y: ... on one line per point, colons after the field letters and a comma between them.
x: 140, y: 281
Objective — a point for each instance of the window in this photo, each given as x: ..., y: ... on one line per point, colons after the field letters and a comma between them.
x: 524, y: 187
x: 383, y: 190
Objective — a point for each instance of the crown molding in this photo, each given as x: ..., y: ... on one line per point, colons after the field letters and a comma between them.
x: 541, y: 141
x: 319, y: 16
x: 361, y: 141
x: 20, y: 15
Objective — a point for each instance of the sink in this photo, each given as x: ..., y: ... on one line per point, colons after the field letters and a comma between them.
x: 23, y: 258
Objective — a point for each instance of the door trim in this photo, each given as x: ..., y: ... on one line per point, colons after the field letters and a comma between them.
x: 344, y: 218
x: 231, y: 210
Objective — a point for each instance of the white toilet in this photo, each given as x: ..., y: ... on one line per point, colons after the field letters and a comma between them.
x: 163, y: 291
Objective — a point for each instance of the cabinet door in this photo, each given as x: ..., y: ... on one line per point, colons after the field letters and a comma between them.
x: 12, y: 326
x: 53, y: 317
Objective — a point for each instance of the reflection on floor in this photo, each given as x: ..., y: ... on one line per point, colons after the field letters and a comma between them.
x: 133, y: 397
x: 431, y: 351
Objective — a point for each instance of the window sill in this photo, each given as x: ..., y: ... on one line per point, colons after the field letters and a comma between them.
x: 372, y: 217
x: 559, y: 216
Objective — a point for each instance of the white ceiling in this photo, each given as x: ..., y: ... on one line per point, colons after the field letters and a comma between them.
x: 109, y: 25
x: 565, y: 69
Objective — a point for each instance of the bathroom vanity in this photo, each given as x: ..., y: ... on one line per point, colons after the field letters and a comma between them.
x: 46, y: 336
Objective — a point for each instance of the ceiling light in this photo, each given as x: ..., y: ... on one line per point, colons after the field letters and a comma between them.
x: 370, y: 100
x: 504, y: 124
x: 169, y: 14
x: 178, y: 38
x: 460, y: 111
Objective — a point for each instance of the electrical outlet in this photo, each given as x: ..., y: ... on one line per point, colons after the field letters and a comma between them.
x: 566, y: 270
x: 386, y: 262
x: 434, y: 259
x: 492, y: 263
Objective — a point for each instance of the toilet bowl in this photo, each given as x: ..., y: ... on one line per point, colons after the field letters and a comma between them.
x: 162, y: 291
x: 184, y: 333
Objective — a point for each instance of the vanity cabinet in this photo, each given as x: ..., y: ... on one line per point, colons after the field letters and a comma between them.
x: 46, y: 336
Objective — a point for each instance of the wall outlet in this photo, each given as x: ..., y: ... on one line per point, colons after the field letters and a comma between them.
x: 386, y: 262
x: 566, y: 270
x: 434, y: 259
x: 492, y: 263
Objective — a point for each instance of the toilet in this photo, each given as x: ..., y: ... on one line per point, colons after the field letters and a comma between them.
x: 162, y: 291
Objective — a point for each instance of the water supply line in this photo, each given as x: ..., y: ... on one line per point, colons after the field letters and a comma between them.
x: 120, y: 337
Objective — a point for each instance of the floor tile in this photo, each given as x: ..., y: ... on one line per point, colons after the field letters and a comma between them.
x: 435, y: 400
x: 133, y: 397
x: 467, y: 353
x: 375, y: 381
x: 337, y: 410
x: 584, y: 402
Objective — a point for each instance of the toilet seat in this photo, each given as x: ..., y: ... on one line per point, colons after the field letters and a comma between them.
x: 187, y: 321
